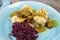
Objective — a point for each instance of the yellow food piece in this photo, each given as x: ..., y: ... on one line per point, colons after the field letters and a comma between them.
x: 54, y: 22
x: 42, y: 12
x: 40, y: 29
x: 17, y: 19
x: 36, y: 24
x: 51, y: 23
x: 40, y: 20
x: 14, y: 19
x: 27, y: 8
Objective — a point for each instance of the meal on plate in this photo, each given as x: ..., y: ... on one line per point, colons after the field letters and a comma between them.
x: 27, y: 23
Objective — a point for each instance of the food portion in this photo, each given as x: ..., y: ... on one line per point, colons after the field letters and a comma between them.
x: 28, y: 22
x: 40, y: 20
x: 23, y: 31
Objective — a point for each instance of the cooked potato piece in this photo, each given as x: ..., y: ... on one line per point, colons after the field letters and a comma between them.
x: 40, y: 20
x: 42, y: 12
x: 17, y: 19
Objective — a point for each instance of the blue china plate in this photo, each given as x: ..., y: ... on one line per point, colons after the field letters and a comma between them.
x: 5, y: 22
